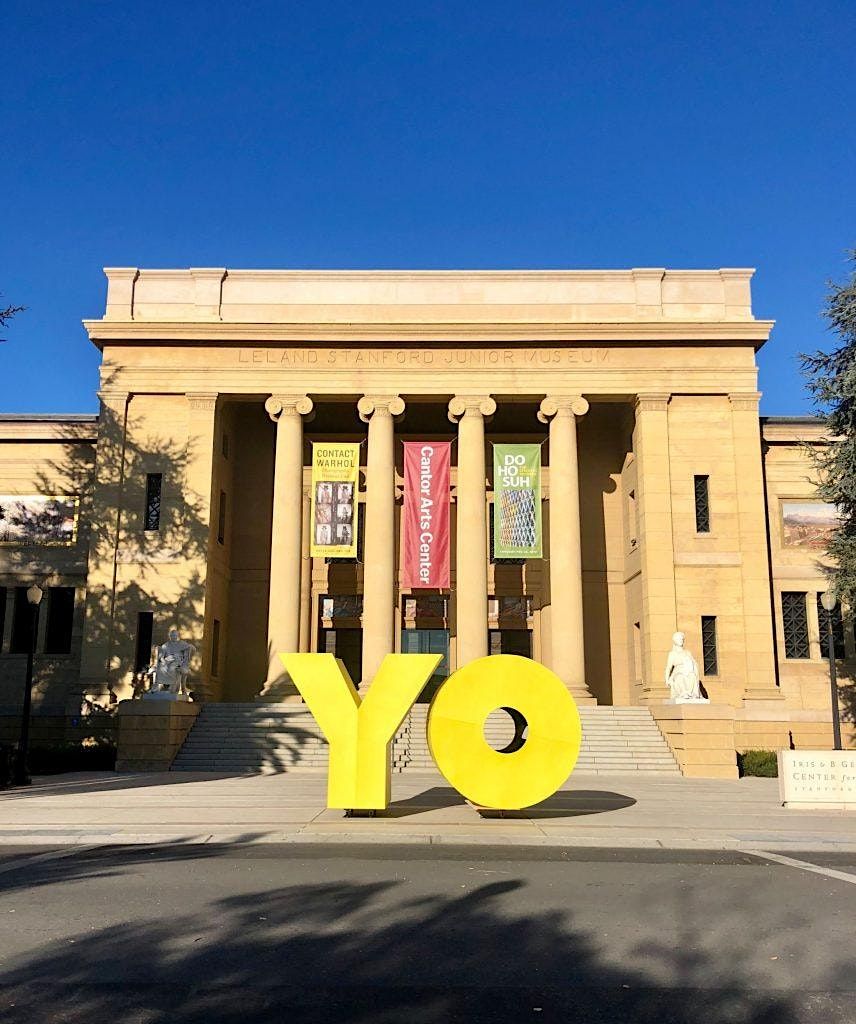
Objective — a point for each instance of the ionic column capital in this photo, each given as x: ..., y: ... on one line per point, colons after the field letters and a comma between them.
x: 288, y: 405
x: 562, y: 406
x: 380, y: 406
x: 471, y: 405
x: 653, y: 401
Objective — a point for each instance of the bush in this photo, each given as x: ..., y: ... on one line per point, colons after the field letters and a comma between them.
x: 763, y: 763
x: 72, y: 757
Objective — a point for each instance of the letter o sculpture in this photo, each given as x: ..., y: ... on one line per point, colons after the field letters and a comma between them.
x: 487, y: 777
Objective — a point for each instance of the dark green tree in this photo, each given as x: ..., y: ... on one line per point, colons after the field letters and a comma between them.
x: 832, y: 382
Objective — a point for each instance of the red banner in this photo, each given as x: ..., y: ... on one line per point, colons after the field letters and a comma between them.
x: 426, y: 514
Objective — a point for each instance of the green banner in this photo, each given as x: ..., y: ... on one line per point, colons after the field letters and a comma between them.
x: 517, y: 501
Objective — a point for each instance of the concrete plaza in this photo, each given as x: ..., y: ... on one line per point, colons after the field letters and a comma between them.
x: 620, y: 811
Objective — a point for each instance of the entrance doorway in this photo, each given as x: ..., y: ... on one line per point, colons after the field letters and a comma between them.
x: 347, y: 645
x: 428, y: 641
x: 510, y: 641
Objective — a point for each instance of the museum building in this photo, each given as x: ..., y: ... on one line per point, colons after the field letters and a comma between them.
x: 662, y: 500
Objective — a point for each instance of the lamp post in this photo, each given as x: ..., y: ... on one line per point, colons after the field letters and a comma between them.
x: 22, y: 776
x: 829, y: 601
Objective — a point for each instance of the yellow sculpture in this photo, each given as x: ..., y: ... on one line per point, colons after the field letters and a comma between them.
x: 359, y: 731
x: 490, y: 778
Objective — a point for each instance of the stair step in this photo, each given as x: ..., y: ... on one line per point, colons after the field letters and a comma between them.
x: 274, y: 737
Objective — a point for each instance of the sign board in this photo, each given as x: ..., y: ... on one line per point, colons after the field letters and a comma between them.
x: 822, y: 779
x: 425, y: 515
x: 517, y: 501
x: 335, y: 507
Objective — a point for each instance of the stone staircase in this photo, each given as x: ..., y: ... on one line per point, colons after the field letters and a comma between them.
x: 265, y: 737
x: 614, y: 740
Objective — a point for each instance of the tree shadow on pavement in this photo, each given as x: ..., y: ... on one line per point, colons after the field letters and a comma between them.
x: 364, y: 952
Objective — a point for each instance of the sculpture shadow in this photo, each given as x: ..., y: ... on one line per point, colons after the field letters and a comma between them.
x: 428, y: 800
x: 381, y: 951
x: 568, y: 804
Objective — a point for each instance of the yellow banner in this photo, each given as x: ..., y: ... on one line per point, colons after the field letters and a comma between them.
x: 335, y: 474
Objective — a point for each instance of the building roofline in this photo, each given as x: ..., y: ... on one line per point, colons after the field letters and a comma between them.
x: 48, y: 417
x: 795, y: 420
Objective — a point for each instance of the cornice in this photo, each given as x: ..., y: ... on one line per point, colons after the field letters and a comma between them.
x: 725, y: 332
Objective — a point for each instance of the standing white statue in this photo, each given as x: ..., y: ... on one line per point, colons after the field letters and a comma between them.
x: 682, y: 674
x: 171, y: 668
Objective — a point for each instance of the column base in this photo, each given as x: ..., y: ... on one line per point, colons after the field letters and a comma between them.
x: 768, y: 694
x: 655, y: 694
x: 582, y: 696
x: 279, y: 691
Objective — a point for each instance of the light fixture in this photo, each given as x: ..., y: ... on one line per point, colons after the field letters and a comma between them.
x: 35, y: 594
x: 828, y: 599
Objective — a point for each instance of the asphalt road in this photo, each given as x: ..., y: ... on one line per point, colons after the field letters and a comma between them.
x: 377, y: 934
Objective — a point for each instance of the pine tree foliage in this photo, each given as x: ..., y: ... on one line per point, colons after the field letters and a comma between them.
x: 832, y: 383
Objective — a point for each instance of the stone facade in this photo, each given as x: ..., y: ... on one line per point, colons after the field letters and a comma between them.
x: 639, y: 383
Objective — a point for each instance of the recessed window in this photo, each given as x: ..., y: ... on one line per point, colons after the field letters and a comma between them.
x: 22, y: 623
x: 221, y: 519
x: 224, y: 445
x: 702, y: 504
x: 823, y: 617
x: 154, y: 484
x: 215, y: 648
x: 708, y: 645
x: 795, y: 624
x: 145, y: 631
x: 60, y: 620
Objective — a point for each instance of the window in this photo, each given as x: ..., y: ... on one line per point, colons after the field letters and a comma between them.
x: 22, y: 622
x: 2, y: 615
x: 837, y: 630
x: 215, y: 648
x: 145, y: 631
x: 708, y: 645
x: 795, y: 624
x: 702, y: 504
x: 154, y: 482
x: 221, y: 519
x: 60, y: 620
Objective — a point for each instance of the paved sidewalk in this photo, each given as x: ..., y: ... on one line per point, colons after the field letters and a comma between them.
x: 592, y: 810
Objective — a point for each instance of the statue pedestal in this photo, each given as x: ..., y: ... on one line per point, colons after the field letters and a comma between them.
x: 686, y: 700
x: 165, y: 695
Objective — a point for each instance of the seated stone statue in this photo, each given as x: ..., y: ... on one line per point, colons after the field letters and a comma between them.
x: 682, y: 674
x: 171, y: 666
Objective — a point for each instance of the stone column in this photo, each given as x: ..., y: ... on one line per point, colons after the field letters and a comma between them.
x: 99, y: 670
x: 469, y: 412
x: 379, y: 549
x: 287, y: 411
x: 567, y: 646
x: 306, y: 578
x: 757, y: 617
x: 201, y: 420
x: 656, y: 541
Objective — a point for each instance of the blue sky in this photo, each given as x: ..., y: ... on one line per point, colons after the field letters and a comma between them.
x: 402, y: 134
